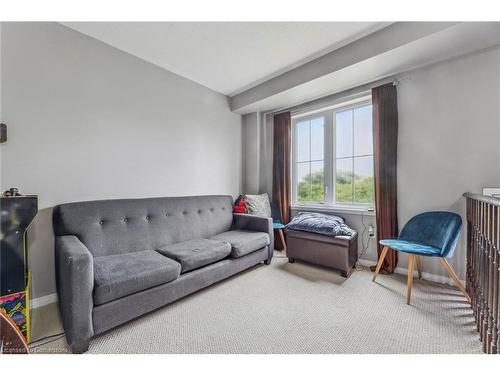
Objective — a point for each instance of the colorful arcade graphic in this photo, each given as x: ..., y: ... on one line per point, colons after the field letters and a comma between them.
x: 15, y: 306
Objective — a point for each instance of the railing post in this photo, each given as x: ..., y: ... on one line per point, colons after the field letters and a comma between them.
x: 483, y: 267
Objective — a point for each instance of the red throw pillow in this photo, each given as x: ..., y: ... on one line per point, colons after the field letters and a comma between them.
x: 241, y: 207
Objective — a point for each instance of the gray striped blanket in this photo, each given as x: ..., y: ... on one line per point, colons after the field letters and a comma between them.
x: 328, y: 225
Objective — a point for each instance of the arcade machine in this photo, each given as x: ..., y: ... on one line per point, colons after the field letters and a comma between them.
x: 16, y: 213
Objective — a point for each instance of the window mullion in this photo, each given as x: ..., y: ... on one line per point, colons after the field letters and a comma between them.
x: 353, y: 136
x: 331, y: 157
x: 310, y: 162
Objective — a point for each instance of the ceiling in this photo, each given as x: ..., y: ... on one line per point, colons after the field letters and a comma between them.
x: 228, y: 57
x: 387, y: 53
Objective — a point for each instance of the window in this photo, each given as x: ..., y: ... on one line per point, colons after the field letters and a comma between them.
x: 333, y: 156
x: 311, y: 160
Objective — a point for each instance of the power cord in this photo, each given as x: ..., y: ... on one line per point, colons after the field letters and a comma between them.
x: 364, y: 247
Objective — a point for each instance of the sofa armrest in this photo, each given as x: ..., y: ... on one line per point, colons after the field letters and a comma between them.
x: 258, y: 224
x: 75, y: 284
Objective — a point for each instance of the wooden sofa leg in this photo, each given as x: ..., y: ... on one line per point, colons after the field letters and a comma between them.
x: 80, y: 347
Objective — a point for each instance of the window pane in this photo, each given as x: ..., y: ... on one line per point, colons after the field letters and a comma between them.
x: 363, y: 138
x: 303, y: 182
x: 318, y: 139
x: 317, y: 182
x: 363, y: 179
x: 343, y: 129
x: 303, y: 141
x: 344, y: 183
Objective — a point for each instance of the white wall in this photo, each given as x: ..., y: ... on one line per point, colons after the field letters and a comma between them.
x: 257, y: 140
x: 251, y: 153
x: 449, y: 139
x: 449, y: 143
x: 87, y: 121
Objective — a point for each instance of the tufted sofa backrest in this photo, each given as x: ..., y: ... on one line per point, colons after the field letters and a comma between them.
x: 119, y: 226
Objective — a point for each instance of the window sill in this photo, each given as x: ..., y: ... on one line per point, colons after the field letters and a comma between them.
x: 368, y: 211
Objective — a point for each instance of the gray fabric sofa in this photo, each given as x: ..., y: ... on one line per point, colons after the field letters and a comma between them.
x: 119, y: 259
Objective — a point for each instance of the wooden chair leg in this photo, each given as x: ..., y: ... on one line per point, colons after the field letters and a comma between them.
x: 282, y: 237
x: 455, y: 278
x: 418, y: 260
x: 380, y: 262
x: 409, y: 283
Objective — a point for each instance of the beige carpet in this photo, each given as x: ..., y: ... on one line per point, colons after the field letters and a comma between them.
x: 300, y: 308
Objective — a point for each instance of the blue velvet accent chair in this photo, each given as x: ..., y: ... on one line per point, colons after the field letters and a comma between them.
x: 277, y: 224
x: 429, y: 234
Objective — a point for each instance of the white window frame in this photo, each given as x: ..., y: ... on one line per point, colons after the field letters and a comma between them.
x: 329, y: 114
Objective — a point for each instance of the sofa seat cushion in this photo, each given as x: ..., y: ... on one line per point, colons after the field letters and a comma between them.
x: 194, y: 254
x: 243, y: 242
x: 119, y: 275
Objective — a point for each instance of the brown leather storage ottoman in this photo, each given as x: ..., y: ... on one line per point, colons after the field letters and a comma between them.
x: 339, y: 252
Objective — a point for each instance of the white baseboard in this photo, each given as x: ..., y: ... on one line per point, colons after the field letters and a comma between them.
x: 425, y: 275
x: 43, y: 300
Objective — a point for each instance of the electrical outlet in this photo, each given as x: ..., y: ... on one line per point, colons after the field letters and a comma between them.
x: 371, y: 231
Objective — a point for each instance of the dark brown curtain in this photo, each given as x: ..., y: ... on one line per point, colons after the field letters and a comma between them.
x: 282, y: 141
x: 385, y: 149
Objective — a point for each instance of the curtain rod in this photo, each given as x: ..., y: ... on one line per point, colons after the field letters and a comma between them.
x: 311, y: 104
